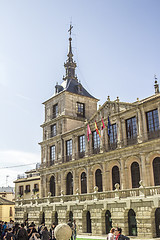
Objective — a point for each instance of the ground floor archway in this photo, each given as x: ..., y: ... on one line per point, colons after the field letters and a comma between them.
x: 88, y: 221
x: 157, y: 222
x: 132, y: 223
x: 108, y: 221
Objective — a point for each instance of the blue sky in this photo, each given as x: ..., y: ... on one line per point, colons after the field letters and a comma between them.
x: 116, y: 47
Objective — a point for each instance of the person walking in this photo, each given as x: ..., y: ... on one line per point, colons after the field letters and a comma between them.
x: 22, y: 233
x: 45, y: 234
x: 74, y: 229
x: 52, y: 231
x: 119, y: 236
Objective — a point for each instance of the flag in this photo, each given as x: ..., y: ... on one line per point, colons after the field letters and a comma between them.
x: 109, y: 127
x: 97, y: 129
x: 102, y: 127
x: 88, y: 132
x: 102, y: 124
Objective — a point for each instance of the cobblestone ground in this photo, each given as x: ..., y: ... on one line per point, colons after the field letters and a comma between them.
x: 105, y: 237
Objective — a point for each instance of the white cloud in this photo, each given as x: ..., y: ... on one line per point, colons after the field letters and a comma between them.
x: 11, y: 158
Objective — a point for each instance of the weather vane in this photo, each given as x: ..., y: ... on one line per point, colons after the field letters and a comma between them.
x: 70, y: 29
x: 155, y: 77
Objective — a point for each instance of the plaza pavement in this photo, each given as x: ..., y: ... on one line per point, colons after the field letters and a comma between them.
x: 105, y: 237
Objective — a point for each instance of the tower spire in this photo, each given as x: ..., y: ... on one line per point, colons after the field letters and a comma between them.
x: 70, y: 65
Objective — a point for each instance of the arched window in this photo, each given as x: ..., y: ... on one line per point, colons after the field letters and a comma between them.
x: 52, y: 186
x: 135, y: 174
x: 115, y: 176
x: 98, y: 178
x: 156, y: 171
x: 83, y: 182
x: 157, y: 221
x: 88, y: 218
x: 108, y: 222
x: 69, y: 184
x: 132, y: 223
x: 56, y: 218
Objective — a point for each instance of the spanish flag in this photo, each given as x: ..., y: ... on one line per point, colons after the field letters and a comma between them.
x: 97, y: 129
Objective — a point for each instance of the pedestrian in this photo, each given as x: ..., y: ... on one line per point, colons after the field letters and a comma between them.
x: 52, y: 231
x: 40, y: 228
x: 15, y: 230
x: 110, y: 235
x: 71, y: 226
x: 118, y: 234
x: 45, y: 234
x: 74, y: 229
x: 22, y: 233
x: 9, y: 234
x: 31, y: 230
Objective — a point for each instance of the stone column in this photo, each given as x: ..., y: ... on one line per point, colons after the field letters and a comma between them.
x: 73, y: 147
x: 122, y: 175
x: 56, y: 184
x: 48, y: 156
x: 139, y: 126
x: 75, y: 181
x: 45, y: 185
x: 104, y: 177
x: 89, y: 180
x: 86, y: 144
x: 145, y: 134
x: 90, y: 145
x: 105, y: 139
x: 63, y: 183
x: 108, y: 178
x: 143, y: 170
x: 119, y: 133
x: 124, y: 136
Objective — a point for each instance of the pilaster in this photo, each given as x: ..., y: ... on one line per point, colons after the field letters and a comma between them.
x: 139, y: 126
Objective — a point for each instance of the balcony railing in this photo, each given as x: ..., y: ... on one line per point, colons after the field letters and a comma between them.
x: 141, y: 192
x: 154, y: 134
x: 20, y: 176
x: 131, y: 141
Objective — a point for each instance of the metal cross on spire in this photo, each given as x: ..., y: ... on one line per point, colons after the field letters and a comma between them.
x: 70, y: 29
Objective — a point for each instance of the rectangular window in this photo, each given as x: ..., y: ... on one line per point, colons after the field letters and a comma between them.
x: 153, y: 124
x: 10, y: 212
x: 27, y: 189
x: 131, y: 130
x: 112, y: 138
x: 36, y: 188
x: 53, y: 130
x: 20, y: 190
x: 96, y: 142
x: 80, y: 109
x: 69, y: 150
x: 82, y: 146
x: 55, y: 110
x: 52, y: 154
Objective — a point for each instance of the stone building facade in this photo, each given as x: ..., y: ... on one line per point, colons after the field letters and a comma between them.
x: 27, y: 185
x: 110, y: 178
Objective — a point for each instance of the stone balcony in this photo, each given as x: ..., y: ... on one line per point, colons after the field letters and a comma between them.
x: 135, y: 194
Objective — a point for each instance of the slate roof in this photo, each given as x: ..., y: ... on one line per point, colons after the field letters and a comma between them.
x: 4, y: 201
x: 73, y: 86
